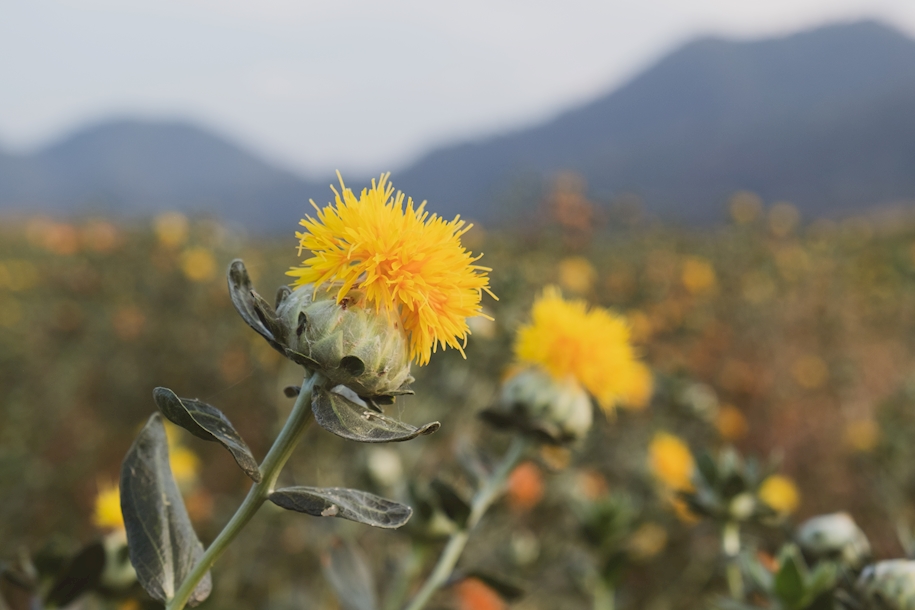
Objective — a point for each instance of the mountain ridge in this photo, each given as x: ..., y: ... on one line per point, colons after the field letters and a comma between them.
x: 819, y: 117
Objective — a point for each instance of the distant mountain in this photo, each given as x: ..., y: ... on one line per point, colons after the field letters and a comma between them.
x: 140, y: 167
x: 824, y: 118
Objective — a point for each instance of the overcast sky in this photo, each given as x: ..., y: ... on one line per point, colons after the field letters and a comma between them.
x: 353, y: 84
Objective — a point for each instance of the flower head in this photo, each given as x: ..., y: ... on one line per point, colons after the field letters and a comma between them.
x: 591, y: 346
x: 107, y: 514
x: 780, y: 493
x: 671, y: 461
x: 403, y: 259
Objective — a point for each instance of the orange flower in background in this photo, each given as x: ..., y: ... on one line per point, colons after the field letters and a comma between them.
x: 731, y: 423
x: 474, y: 594
x: 525, y: 487
x: 591, y: 346
x: 404, y: 260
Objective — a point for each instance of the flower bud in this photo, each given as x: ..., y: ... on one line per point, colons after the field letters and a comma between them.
x: 888, y: 584
x: 348, y: 342
x: 834, y: 536
x: 532, y: 400
x: 742, y: 506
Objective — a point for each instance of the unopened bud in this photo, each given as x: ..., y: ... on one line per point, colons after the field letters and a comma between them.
x: 534, y: 401
x: 834, y: 536
x: 742, y: 506
x: 888, y: 584
x: 349, y: 342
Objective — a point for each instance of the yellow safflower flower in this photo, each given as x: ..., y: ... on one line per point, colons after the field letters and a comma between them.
x: 780, y: 493
x: 591, y: 346
x: 576, y: 274
x: 402, y: 258
x: 198, y: 264
x: 671, y: 461
x: 698, y: 275
x: 107, y: 514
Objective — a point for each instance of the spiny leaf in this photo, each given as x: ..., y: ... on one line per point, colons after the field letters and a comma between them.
x: 341, y: 414
x: 209, y: 423
x: 352, y: 504
x: 346, y: 569
x: 163, y: 546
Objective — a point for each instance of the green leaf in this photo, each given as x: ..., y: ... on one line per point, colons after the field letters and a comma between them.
x: 352, y: 504
x: 346, y: 569
x: 163, y: 546
x: 253, y: 308
x: 209, y: 423
x: 789, y: 580
x: 341, y: 415
x: 81, y: 574
x: 823, y: 578
x: 707, y: 468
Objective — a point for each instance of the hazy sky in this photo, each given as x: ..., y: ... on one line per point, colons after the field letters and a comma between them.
x: 353, y: 84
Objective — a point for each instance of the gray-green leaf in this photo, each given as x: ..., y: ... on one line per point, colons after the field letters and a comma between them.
x: 352, y: 504
x: 253, y: 308
x: 163, y: 545
x: 209, y: 423
x: 341, y: 415
x: 346, y: 569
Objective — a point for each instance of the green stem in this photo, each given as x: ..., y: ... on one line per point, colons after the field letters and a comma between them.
x: 293, y: 429
x: 730, y: 544
x: 604, y: 595
x: 481, y: 502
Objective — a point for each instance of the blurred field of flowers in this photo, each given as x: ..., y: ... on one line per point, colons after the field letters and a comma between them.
x: 791, y: 341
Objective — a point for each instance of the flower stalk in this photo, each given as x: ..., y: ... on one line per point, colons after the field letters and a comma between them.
x: 487, y: 494
x: 296, y: 424
x: 730, y: 544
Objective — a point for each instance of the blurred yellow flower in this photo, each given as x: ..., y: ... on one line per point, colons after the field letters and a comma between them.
x: 404, y: 260
x: 590, y: 346
x: 647, y: 541
x: 745, y: 207
x: 671, y: 461
x: 198, y: 264
x: 731, y: 423
x: 10, y: 312
x: 780, y: 493
x: 171, y: 229
x: 698, y: 275
x: 862, y: 435
x: 18, y: 275
x: 185, y: 465
x: 783, y: 218
x: 107, y: 513
x: 576, y: 274
x: 810, y: 372
x: 640, y: 326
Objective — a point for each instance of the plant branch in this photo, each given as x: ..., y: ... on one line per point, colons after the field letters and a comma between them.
x: 296, y: 425
x: 482, y: 500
